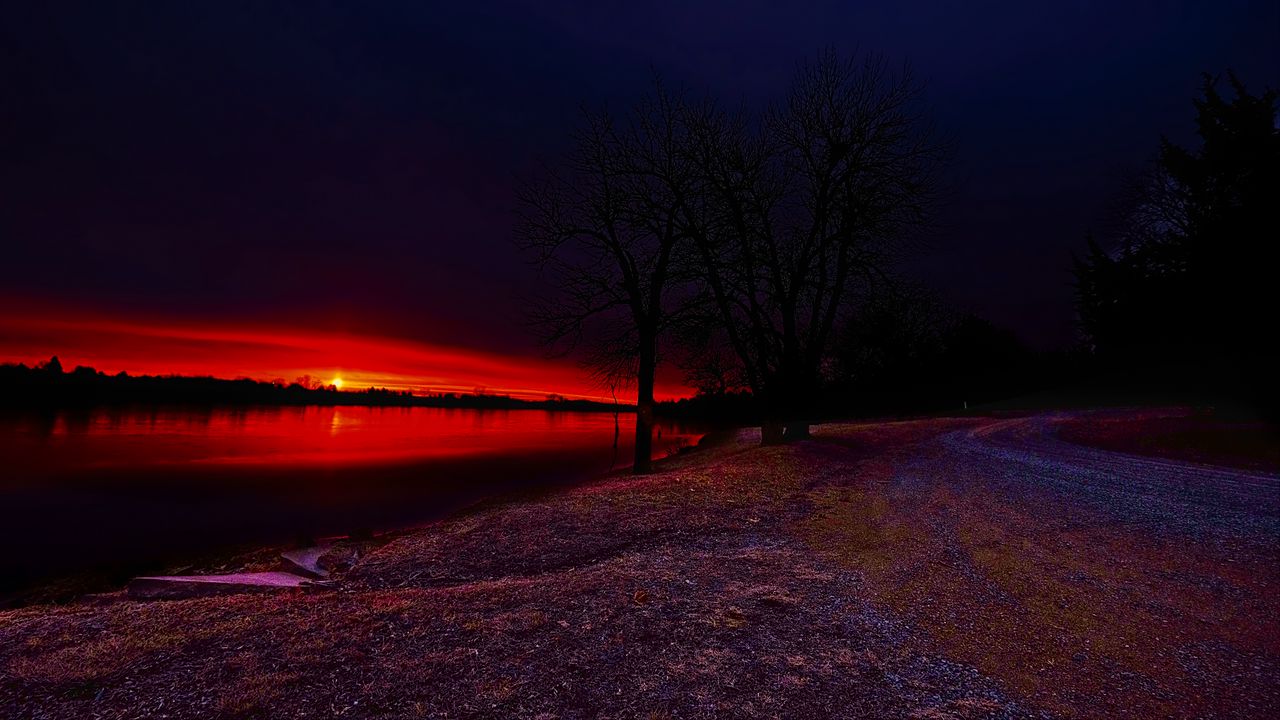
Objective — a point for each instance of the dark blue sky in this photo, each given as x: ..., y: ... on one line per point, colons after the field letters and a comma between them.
x: 348, y: 166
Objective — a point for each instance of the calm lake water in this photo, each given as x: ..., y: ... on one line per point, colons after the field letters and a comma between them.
x: 122, y: 488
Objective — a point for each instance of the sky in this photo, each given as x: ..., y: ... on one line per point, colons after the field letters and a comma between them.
x: 287, y: 354
x: 343, y: 172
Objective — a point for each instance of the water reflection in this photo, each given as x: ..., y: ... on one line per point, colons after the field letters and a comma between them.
x: 48, y: 444
x: 79, y: 488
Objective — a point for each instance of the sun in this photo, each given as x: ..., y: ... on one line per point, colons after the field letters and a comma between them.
x: 337, y: 382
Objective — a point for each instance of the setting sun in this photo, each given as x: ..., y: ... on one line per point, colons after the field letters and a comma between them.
x: 337, y: 382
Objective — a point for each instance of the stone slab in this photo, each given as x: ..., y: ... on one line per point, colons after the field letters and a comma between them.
x: 188, y: 586
x: 306, y: 562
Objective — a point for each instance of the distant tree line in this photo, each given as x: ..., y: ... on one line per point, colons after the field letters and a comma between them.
x: 47, y: 385
x: 903, y: 351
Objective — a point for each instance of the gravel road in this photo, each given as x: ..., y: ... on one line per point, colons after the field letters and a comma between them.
x: 1224, y: 506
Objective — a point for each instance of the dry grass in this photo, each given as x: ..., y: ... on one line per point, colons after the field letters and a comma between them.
x: 1182, y: 434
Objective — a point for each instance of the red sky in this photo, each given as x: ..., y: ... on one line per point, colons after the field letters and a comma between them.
x: 163, y: 347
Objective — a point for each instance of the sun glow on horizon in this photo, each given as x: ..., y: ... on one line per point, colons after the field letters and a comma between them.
x: 277, y: 354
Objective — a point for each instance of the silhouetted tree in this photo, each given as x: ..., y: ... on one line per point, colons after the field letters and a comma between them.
x: 605, y: 230
x: 1188, y: 274
x: 797, y: 210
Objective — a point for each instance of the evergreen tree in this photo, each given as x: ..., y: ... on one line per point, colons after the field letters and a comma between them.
x: 1188, y: 275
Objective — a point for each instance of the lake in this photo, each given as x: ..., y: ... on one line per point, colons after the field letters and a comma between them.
x: 127, y: 487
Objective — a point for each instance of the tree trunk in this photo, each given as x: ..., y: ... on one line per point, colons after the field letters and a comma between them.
x: 796, y: 431
x: 771, y: 433
x: 644, y: 406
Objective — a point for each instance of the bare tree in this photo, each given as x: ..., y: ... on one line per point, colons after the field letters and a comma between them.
x: 605, y: 231
x: 794, y: 210
x: 772, y: 223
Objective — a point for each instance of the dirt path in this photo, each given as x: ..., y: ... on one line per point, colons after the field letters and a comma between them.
x: 1222, y: 505
x: 966, y: 568
x: 1092, y: 583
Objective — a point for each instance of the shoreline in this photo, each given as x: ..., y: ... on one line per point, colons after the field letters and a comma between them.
x: 254, y: 556
x: 1100, y: 428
